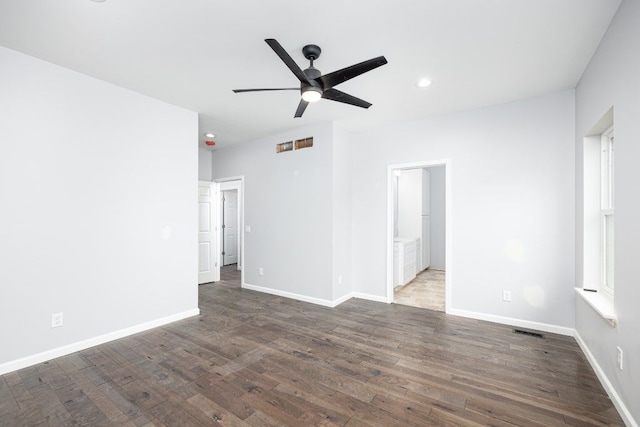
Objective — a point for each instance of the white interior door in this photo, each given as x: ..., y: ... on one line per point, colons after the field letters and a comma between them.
x: 229, y: 227
x: 208, y: 268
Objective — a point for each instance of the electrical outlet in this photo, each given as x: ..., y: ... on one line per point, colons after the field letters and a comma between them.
x: 619, y: 357
x: 506, y: 295
x: 57, y: 320
x: 340, y: 280
x: 261, y: 271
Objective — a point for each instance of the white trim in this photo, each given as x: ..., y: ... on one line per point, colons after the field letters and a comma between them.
x: 448, y: 225
x: 545, y: 327
x: 291, y: 295
x: 24, y: 362
x: 601, y: 302
x: 369, y: 297
x: 230, y: 178
x: 312, y: 300
x: 338, y: 301
x: 606, y: 206
x: 624, y: 412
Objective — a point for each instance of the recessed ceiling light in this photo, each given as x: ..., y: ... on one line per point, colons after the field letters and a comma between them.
x: 423, y: 83
x: 209, y: 135
x: 98, y: 1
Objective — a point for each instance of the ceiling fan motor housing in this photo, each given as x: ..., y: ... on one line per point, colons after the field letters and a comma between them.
x: 312, y: 73
x: 311, y: 52
x: 314, y: 83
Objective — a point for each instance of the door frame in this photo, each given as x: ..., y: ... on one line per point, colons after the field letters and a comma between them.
x: 448, y: 223
x: 235, y: 183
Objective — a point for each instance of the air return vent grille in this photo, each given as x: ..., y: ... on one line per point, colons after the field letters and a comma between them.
x: 528, y: 333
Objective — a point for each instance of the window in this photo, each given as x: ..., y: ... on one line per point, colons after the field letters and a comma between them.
x: 298, y: 145
x: 598, y: 229
x: 284, y: 146
x: 607, y: 209
x: 304, y: 143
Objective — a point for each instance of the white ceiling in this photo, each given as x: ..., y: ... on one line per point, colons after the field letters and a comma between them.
x: 192, y: 53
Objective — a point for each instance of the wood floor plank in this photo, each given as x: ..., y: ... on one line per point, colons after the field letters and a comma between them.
x: 81, y: 408
x: 7, y: 402
x: 224, y: 394
x: 124, y: 404
x: 215, y: 412
x: 253, y: 359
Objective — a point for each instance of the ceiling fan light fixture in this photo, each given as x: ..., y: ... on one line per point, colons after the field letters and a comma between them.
x: 424, y: 82
x: 311, y: 94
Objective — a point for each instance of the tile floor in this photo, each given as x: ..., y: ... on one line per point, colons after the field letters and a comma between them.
x: 425, y: 291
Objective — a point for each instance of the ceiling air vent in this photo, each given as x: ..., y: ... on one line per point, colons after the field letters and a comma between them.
x: 304, y: 143
x: 284, y: 146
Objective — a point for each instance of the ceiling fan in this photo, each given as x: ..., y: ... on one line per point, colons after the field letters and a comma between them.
x: 313, y: 85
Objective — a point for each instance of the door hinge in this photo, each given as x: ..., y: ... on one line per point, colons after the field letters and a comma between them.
x: 223, y: 226
x: 223, y: 253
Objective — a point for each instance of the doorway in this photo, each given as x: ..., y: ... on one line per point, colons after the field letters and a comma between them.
x: 229, y: 223
x: 418, y: 245
x: 231, y: 211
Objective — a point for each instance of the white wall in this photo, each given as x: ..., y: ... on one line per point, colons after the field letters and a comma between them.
x: 438, y: 211
x: 205, y: 173
x: 288, y: 205
x: 512, y: 205
x: 611, y: 79
x: 341, y: 213
x: 98, y: 218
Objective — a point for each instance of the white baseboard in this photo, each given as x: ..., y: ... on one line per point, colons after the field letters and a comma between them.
x: 323, y: 302
x: 337, y: 302
x: 291, y: 295
x: 624, y: 412
x: 369, y: 297
x: 24, y: 362
x: 546, y: 327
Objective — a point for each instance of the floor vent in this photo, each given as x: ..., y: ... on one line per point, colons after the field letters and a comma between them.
x: 528, y: 333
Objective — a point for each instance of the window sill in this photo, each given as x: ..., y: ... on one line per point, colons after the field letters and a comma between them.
x: 602, y: 304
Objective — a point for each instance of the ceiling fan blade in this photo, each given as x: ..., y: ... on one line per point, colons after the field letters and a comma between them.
x: 301, y: 107
x: 262, y: 90
x: 333, y: 79
x: 289, y: 62
x: 336, y: 95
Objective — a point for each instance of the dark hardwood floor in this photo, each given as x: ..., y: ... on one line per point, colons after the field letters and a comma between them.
x: 261, y: 360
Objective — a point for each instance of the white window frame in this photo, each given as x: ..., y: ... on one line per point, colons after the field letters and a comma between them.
x: 607, y: 252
